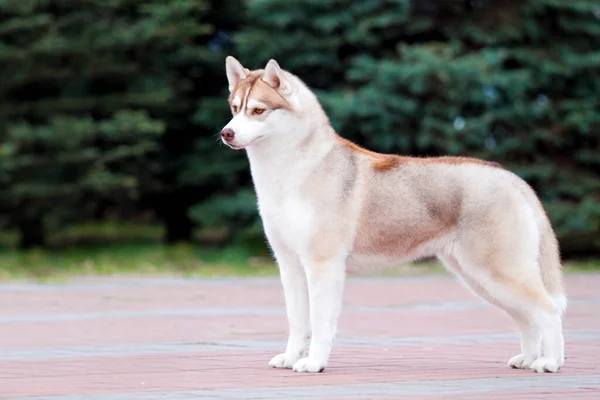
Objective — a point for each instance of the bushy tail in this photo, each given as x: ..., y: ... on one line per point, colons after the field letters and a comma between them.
x: 549, y: 257
x: 550, y: 265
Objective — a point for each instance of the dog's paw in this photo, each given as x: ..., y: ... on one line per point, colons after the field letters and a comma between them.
x: 544, y: 364
x: 284, y: 360
x: 521, y: 362
x: 308, y: 364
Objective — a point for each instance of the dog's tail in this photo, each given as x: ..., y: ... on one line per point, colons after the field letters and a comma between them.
x: 550, y: 265
x: 549, y: 253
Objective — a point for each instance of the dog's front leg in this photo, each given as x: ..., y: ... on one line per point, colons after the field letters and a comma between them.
x: 325, y: 287
x: 295, y: 289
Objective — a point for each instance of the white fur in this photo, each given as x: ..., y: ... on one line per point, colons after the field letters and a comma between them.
x: 295, y: 287
x: 560, y: 300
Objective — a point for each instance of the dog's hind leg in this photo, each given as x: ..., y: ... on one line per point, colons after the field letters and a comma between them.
x: 521, y: 293
x: 530, y: 341
x: 509, y: 257
x: 552, y: 337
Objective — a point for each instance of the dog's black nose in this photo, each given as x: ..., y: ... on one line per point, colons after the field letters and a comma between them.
x: 227, y: 134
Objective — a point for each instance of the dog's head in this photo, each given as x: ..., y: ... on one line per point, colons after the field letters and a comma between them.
x: 263, y: 103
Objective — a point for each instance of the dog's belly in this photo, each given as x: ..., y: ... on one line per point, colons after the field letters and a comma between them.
x: 365, y: 263
x: 373, y: 261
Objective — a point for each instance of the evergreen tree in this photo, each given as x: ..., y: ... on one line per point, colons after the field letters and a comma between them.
x: 196, y: 167
x: 516, y: 82
x: 85, y: 92
x: 214, y: 180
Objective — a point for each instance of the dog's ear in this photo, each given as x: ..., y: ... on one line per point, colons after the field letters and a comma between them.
x: 235, y: 71
x: 275, y: 78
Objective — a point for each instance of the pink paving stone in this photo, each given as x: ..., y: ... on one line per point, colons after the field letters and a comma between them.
x: 549, y: 394
x: 242, y: 327
x: 359, y: 292
x: 371, y: 293
x: 194, y: 371
x: 243, y: 368
x: 148, y: 298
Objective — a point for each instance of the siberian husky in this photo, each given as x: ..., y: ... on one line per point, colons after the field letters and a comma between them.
x: 329, y: 206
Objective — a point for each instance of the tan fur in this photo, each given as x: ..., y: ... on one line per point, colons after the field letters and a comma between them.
x: 384, y: 162
x: 549, y: 257
x: 409, y: 202
x: 436, y: 215
x: 254, y: 87
x: 380, y: 162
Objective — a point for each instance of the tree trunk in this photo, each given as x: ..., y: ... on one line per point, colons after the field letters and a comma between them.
x: 31, y: 229
x: 178, y: 226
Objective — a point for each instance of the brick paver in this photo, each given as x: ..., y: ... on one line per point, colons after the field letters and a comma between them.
x: 168, y: 338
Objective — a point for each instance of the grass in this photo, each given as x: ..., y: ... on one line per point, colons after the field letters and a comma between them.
x: 590, y: 265
x: 132, y: 258
x: 121, y: 249
x: 112, y: 247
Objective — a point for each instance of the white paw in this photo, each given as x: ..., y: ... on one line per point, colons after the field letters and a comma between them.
x: 521, y: 362
x: 284, y: 360
x: 308, y: 364
x: 544, y: 364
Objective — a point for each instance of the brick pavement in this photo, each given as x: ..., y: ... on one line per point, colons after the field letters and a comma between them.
x: 168, y: 338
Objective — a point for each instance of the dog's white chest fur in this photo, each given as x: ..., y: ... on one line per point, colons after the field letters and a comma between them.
x: 287, y: 220
x: 287, y: 215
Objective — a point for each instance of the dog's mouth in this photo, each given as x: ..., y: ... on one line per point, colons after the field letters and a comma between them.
x: 236, y: 147
x: 233, y: 146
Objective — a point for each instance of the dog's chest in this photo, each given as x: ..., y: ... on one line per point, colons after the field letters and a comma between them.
x: 287, y: 212
x: 286, y: 219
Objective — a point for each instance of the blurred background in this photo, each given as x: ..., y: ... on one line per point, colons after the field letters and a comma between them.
x: 109, y: 111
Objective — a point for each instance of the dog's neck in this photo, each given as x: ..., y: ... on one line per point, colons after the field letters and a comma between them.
x: 284, y: 161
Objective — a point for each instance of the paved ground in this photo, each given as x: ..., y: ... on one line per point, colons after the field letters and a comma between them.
x: 418, y: 338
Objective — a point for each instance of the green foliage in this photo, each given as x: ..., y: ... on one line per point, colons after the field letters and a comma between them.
x: 76, y: 120
x: 118, y: 103
x: 236, y: 211
x: 516, y: 83
x: 195, y: 167
x: 48, y: 162
x: 213, y: 212
x: 99, y: 103
x: 132, y: 258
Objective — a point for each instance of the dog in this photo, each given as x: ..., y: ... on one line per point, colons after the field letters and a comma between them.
x: 329, y: 206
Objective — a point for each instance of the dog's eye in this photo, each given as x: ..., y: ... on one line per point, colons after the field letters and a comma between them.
x: 258, y: 111
x: 234, y: 109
